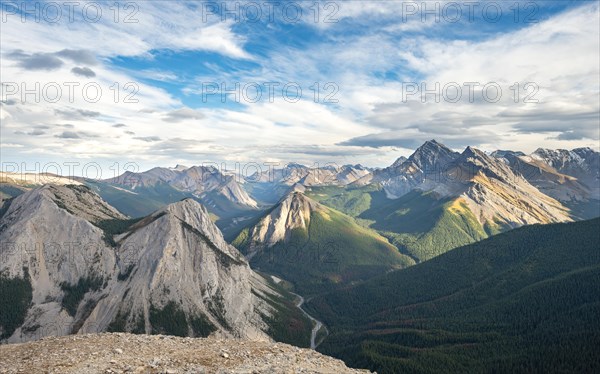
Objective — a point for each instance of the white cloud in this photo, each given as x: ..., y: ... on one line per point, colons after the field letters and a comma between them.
x: 183, y: 114
x: 152, y: 25
x: 560, y: 54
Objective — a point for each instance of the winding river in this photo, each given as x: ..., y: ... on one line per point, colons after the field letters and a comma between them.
x: 318, y: 324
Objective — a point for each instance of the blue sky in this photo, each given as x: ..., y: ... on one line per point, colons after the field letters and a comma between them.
x: 265, y: 37
x: 365, y: 55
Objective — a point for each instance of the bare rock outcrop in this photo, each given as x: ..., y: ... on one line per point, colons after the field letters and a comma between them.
x: 83, y: 267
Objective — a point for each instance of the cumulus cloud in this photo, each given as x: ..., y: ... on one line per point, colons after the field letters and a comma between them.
x: 73, y: 114
x: 53, y: 60
x: 183, y: 114
x: 76, y: 135
x: 68, y: 135
x: 148, y: 139
x: 36, y: 61
x: 83, y: 72
x: 80, y: 56
x: 37, y: 130
x: 574, y: 135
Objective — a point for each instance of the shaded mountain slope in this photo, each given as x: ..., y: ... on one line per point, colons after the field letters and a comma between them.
x: 526, y: 300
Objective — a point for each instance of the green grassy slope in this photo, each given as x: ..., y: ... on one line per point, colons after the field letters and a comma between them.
x: 352, y: 201
x: 334, y: 251
x: 523, y: 301
x: 420, y: 224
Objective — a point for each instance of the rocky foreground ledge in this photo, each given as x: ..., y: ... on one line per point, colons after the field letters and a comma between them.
x: 128, y: 353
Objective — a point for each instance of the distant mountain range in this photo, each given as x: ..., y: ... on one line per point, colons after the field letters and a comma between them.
x: 472, y: 194
x: 161, y: 237
x: 493, y: 185
x: 434, y: 200
x: 490, y: 188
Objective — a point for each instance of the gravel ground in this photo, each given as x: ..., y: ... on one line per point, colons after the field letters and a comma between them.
x: 128, y: 353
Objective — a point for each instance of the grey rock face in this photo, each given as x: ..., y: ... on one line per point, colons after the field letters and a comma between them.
x: 49, y: 232
x: 581, y: 163
x: 85, y: 279
x: 292, y: 212
x: 493, y: 192
x: 544, y: 177
x: 423, y: 170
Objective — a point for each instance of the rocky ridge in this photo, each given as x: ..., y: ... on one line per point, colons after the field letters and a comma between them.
x: 494, y: 193
x: 91, y: 270
x: 197, y: 180
x: 581, y: 163
x: 545, y: 177
x: 293, y: 212
x: 311, y: 176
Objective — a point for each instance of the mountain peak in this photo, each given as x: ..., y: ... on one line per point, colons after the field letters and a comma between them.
x: 434, y: 142
x: 470, y: 151
x: 474, y: 152
x: 359, y: 167
x: 542, y: 151
x: 78, y: 200
x: 585, y: 152
x: 180, y: 167
x: 558, y: 158
x: 298, y: 187
x: 185, y: 203
x: 298, y: 201
x: 195, y: 215
x: 295, y: 165
x: 399, y: 161
x: 491, y: 165
x: 432, y: 155
x: 433, y: 145
x: 293, y: 212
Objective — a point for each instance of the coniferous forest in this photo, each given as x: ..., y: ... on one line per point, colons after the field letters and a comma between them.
x: 524, y: 301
